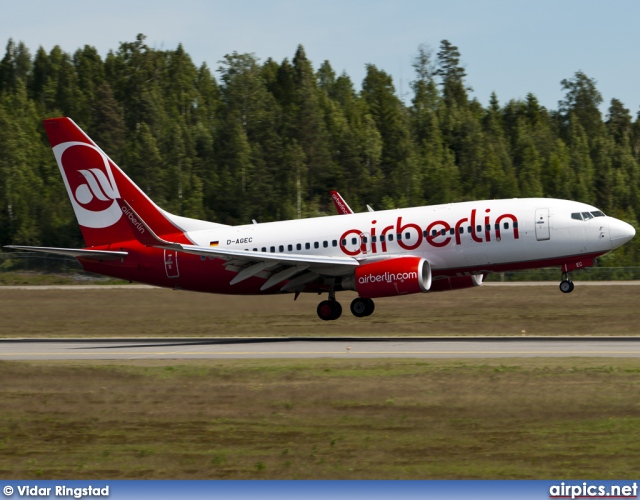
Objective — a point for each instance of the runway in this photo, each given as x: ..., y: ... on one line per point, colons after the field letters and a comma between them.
x: 291, y: 348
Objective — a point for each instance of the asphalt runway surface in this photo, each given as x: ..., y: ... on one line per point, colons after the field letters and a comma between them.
x: 357, y: 347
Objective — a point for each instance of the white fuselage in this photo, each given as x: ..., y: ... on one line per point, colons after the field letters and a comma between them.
x: 455, y: 237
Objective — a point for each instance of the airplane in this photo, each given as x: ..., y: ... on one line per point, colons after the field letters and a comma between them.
x: 377, y: 254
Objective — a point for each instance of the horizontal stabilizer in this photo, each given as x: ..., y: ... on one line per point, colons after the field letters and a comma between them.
x: 74, y: 252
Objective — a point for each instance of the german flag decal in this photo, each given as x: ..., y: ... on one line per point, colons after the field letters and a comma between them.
x: 214, y: 243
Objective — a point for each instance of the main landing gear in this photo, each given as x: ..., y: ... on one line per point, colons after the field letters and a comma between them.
x: 566, y: 285
x: 361, y: 307
x: 329, y: 310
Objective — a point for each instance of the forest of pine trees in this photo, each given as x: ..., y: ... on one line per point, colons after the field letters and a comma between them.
x: 268, y: 140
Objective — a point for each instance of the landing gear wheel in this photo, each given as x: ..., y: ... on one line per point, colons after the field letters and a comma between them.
x: 328, y: 310
x: 566, y: 286
x: 361, y: 307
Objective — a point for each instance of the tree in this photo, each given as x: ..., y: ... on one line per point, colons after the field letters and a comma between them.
x: 581, y: 103
x: 452, y: 74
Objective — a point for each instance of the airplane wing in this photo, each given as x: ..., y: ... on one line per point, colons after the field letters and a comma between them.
x: 247, y: 263
x: 74, y: 252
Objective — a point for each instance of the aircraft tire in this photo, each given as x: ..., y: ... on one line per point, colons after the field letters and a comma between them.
x: 566, y: 286
x: 361, y: 307
x: 329, y: 310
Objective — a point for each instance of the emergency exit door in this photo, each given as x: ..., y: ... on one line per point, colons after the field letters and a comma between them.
x: 542, y: 224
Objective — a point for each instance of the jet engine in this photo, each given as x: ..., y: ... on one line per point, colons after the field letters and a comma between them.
x: 386, y: 278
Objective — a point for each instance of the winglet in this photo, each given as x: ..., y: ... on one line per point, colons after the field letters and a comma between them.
x: 143, y: 233
x: 341, y: 205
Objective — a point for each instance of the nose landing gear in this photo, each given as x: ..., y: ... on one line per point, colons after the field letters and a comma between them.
x: 566, y: 285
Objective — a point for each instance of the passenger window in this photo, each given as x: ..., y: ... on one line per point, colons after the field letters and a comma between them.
x: 334, y: 243
x: 354, y: 241
x: 382, y: 237
x: 434, y: 232
x: 478, y: 228
x: 399, y: 236
x: 364, y: 240
x: 325, y: 244
x: 390, y: 236
x: 374, y: 239
x: 316, y: 244
x: 281, y: 248
x: 264, y: 249
x: 452, y: 231
x: 469, y: 229
x: 506, y: 225
x: 515, y: 225
x: 298, y: 246
x: 488, y: 227
x: 272, y: 249
x: 576, y: 216
x: 307, y: 246
x: 255, y: 249
x: 443, y: 232
x: 290, y: 248
x: 407, y: 236
x: 344, y: 242
x: 497, y: 226
x: 461, y: 230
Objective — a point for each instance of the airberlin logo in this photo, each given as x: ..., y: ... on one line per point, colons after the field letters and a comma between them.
x: 97, y: 187
x: 134, y: 220
x: 387, y: 277
x: 90, y: 183
x: 439, y: 233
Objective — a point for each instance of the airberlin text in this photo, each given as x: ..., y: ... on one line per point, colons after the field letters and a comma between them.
x: 438, y: 233
x: 134, y: 220
x: 387, y: 277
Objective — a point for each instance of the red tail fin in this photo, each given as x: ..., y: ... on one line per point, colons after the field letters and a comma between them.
x: 94, y: 183
x: 341, y: 205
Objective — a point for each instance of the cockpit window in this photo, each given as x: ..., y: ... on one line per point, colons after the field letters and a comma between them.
x: 587, y: 216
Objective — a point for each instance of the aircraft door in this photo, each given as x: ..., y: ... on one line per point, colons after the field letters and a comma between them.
x: 171, y: 263
x: 542, y: 224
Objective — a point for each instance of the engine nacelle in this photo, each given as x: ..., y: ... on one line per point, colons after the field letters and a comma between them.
x: 456, y: 283
x: 386, y: 278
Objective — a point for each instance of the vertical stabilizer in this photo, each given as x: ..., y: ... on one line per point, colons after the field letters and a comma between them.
x: 94, y: 183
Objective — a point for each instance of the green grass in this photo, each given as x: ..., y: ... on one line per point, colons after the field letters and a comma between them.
x: 155, y: 312
x: 320, y: 419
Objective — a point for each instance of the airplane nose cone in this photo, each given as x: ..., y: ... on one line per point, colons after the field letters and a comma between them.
x: 620, y: 232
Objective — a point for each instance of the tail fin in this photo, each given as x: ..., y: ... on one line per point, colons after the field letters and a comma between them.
x: 341, y: 205
x: 94, y: 183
